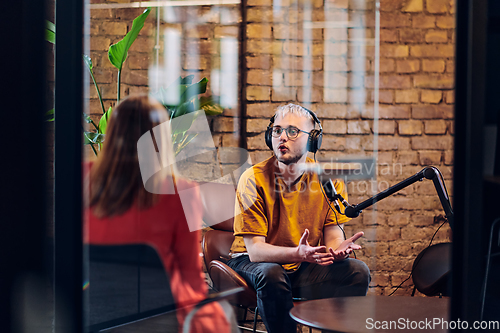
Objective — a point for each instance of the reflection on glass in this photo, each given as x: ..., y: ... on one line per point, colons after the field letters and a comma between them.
x: 229, y: 72
x: 317, y: 54
x: 130, y: 206
x: 171, y: 64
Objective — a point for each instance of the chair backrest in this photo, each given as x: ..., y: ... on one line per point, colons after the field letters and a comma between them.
x: 218, y: 205
x: 431, y: 270
x: 216, y: 245
x: 126, y: 283
x: 218, y: 212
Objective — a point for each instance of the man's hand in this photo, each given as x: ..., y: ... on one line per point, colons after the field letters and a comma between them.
x: 346, y: 247
x: 314, y: 254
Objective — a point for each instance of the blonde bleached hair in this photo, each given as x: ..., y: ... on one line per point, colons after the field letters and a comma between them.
x: 283, y: 110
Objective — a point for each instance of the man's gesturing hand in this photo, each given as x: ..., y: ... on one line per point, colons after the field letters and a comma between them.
x: 315, y: 254
x: 346, y: 247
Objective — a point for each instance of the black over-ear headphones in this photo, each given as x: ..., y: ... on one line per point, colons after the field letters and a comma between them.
x: 315, y: 136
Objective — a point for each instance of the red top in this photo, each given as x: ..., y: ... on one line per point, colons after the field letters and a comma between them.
x: 164, y: 226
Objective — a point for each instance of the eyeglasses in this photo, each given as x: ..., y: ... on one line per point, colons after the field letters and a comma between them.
x: 291, y: 131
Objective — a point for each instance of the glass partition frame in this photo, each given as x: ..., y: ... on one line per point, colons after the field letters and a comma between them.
x: 256, y: 55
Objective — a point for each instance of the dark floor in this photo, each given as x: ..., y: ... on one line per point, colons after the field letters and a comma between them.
x: 166, y: 323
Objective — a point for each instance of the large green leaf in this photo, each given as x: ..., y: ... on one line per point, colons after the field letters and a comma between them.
x: 195, y: 89
x: 210, y: 107
x: 176, y: 88
x: 187, y: 107
x: 164, y: 96
x: 88, y: 61
x: 118, y: 52
x: 91, y: 138
x: 187, y: 80
x: 50, y: 32
x: 103, y: 122
x: 182, y: 124
x: 159, y: 95
x: 182, y: 80
x: 186, y: 139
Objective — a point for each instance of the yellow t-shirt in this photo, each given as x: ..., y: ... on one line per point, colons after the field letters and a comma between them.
x: 265, y: 206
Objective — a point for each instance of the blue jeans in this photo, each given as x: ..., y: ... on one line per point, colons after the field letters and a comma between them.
x: 275, y: 287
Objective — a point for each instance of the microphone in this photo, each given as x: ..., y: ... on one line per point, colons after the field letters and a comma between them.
x: 332, y: 194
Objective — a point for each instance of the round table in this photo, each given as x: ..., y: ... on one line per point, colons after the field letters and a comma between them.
x: 374, y: 313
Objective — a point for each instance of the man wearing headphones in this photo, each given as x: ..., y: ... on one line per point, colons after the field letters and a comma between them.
x: 288, y: 242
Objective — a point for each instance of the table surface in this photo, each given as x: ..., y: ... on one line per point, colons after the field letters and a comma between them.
x: 379, y: 313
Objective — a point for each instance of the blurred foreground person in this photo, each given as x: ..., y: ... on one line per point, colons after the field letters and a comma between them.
x: 121, y: 211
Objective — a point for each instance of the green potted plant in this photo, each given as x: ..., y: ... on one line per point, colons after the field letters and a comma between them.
x: 189, y: 100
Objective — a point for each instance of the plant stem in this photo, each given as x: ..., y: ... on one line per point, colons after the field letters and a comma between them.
x: 98, y: 91
x: 92, y: 145
x: 96, y: 127
x: 118, y: 86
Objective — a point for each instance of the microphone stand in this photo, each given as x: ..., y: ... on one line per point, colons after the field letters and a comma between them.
x: 431, y: 173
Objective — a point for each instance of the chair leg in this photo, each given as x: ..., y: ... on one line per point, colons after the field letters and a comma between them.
x: 413, y: 292
x: 255, y: 319
x: 245, y: 314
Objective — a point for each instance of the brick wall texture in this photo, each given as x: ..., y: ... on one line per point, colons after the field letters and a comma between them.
x: 322, y: 54
x: 303, y: 52
x: 199, y: 34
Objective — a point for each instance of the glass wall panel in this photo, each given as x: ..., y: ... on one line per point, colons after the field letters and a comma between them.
x: 237, y: 63
x: 324, y: 55
x: 186, y: 55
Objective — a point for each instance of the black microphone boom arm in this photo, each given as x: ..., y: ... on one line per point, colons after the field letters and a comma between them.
x: 428, y: 173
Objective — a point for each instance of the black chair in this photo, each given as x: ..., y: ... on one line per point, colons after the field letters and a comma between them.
x: 127, y: 283
x: 431, y: 270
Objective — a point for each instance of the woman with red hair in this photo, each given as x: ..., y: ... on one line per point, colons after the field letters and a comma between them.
x: 121, y: 210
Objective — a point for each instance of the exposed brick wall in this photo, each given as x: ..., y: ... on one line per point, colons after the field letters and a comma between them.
x: 302, y: 52
x: 416, y: 79
x: 201, y: 29
x: 326, y: 70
